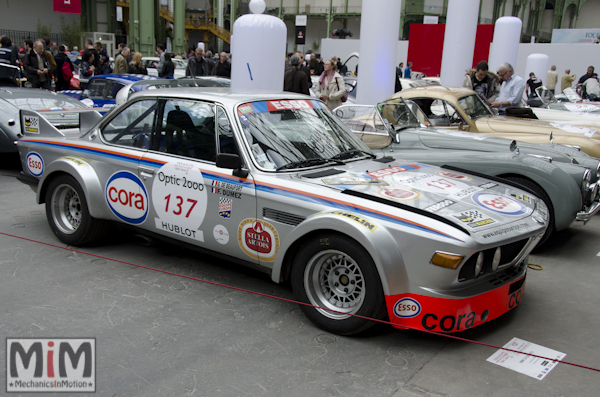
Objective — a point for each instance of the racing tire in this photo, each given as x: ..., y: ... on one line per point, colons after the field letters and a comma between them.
x: 68, y: 214
x: 334, y: 272
x: 537, y: 189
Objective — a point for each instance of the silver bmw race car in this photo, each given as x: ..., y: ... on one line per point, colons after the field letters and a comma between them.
x: 277, y: 182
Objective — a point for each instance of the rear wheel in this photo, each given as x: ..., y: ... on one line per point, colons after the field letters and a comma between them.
x: 68, y: 214
x: 537, y: 189
x: 338, y: 276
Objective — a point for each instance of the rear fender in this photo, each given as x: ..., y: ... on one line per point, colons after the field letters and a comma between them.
x: 87, y: 178
x: 371, y: 235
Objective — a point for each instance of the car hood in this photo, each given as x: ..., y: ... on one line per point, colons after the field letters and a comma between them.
x: 468, y: 201
x: 462, y: 140
x: 505, y: 124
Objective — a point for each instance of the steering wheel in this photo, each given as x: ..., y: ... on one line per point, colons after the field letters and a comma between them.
x: 401, y: 116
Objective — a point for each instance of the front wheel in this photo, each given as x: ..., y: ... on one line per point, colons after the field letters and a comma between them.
x: 339, y: 277
x: 68, y: 214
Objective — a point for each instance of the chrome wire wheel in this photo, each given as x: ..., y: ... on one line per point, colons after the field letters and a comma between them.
x: 333, y: 280
x: 66, y: 209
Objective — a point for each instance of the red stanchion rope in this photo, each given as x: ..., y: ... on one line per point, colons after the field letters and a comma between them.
x: 296, y: 302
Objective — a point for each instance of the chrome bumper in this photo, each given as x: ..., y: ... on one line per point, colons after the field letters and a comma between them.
x: 585, y: 216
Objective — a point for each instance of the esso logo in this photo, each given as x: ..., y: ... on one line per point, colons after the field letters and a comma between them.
x: 500, y: 204
x: 407, y: 308
x: 127, y: 198
x: 283, y: 105
x: 35, y: 164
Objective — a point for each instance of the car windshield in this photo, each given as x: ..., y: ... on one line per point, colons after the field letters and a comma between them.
x: 474, y: 107
x: 293, y: 134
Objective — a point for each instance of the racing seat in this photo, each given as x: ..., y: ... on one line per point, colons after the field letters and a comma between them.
x: 184, y: 138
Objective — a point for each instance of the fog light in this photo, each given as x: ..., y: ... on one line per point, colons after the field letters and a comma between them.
x: 478, y: 264
x: 446, y: 260
x: 496, y: 260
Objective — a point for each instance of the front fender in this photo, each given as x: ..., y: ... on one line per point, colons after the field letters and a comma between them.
x: 87, y: 178
x: 371, y: 235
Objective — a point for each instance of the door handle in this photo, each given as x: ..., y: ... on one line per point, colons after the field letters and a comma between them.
x: 146, y: 172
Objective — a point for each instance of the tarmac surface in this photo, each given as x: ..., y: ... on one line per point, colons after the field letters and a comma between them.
x: 163, y: 335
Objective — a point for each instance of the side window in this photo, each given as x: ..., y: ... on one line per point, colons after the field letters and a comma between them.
x: 133, y: 126
x: 111, y: 93
x: 188, y: 129
x: 227, y: 143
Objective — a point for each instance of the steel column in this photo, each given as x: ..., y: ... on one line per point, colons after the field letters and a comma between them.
x: 179, y: 26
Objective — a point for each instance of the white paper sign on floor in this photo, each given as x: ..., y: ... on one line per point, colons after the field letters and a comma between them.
x: 531, y: 366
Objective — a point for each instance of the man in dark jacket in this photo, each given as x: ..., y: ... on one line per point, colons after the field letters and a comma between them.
x: 483, y: 82
x: 294, y: 79
x: 90, y: 49
x: 61, y: 58
x: 197, y: 66
x: 37, y: 67
x: 223, y: 67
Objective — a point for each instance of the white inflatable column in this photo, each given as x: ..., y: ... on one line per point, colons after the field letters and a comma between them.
x: 258, y: 51
x: 459, y: 40
x: 379, y: 27
x: 538, y: 64
x: 504, y: 48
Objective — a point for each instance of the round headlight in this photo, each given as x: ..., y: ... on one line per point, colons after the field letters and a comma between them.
x: 478, y: 264
x: 598, y: 171
x: 497, y: 257
x: 587, y: 177
x: 593, y: 192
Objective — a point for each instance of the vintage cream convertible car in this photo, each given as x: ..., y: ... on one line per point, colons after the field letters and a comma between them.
x: 462, y: 109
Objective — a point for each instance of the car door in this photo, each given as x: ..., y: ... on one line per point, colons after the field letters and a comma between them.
x: 192, y: 199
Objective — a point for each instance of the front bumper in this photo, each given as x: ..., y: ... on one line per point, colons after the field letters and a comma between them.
x: 446, y: 314
x: 585, y: 216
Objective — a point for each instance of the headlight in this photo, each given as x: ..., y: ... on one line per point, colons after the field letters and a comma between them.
x: 591, y: 194
x: 478, y: 265
x: 598, y: 171
x: 587, y: 178
x: 497, y: 257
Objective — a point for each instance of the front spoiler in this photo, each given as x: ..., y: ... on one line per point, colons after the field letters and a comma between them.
x: 453, y: 315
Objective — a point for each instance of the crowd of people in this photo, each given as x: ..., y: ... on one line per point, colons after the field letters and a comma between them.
x: 42, y: 62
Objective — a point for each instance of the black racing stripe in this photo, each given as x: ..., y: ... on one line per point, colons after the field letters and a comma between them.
x: 490, y: 177
x: 406, y: 208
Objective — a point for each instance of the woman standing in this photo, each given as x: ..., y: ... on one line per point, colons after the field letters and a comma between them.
x: 331, y: 87
x: 87, y: 66
x: 169, y: 68
x: 136, y: 66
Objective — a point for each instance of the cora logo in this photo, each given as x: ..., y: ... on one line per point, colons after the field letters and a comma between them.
x: 35, y: 164
x: 407, y: 308
x: 500, y: 204
x: 127, y: 198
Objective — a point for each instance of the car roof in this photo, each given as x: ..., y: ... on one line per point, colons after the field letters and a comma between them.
x: 37, y: 95
x: 124, y: 78
x: 435, y: 91
x: 223, y: 95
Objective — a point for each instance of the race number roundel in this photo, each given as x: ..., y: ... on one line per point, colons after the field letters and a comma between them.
x: 407, y: 308
x: 35, y: 164
x: 258, y: 239
x: 126, y: 197
x: 179, y: 199
x: 500, y: 204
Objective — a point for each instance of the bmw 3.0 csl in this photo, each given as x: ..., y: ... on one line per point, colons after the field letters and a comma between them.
x: 278, y: 182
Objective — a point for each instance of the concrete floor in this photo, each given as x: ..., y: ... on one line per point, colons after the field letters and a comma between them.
x: 162, y: 335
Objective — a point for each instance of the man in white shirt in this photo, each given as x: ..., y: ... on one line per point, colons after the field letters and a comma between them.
x: 511, y: 92
x: 592, y: 88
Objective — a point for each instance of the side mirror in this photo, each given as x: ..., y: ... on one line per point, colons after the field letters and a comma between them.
x: 231, y: 162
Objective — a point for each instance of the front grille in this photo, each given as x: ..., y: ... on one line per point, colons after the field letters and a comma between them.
x: 282, y: 217
x: 509, y: 253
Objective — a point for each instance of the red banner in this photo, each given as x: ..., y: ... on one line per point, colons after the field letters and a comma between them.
x: 67, y: 6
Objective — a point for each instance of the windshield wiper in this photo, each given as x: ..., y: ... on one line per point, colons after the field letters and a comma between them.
x: 308, y: 163
x: 348, y: 154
